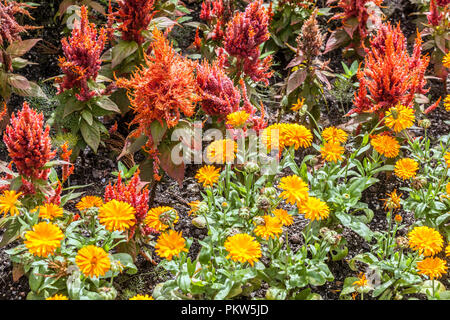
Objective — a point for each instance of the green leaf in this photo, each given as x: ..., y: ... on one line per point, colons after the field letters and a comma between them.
x: 121, y: 51
x: 91, y: 134
x: 107, y: 104
x: 87, y: 116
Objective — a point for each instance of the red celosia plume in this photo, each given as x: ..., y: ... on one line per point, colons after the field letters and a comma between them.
x: 67, y: 169
x: 10, y: 29
x: 82, y: 57
x: 28, y: 143
x: 390, y: 75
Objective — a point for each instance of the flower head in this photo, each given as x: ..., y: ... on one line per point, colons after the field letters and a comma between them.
x: 208, y: 175
x: 399, y: 118
x: 392, y: 202
x: 285, y: 218
x: 89, y: 202
x: 43, y: 239
x: 170, y: 244
x: 142, y: 297
x: 361, y: 282
x: 433, y: 267
x: 9, y: 201
x: 159, y: 218
x: 57, y: 297
x: 271, y: 228
x: 237, y: 119
x: 93, y: 261
x: 297, y: 106
x: 50, y: 211
x: 406, y: 168
x: 117, y: 215
x: 298, y: 136
x: 10, y: 29
x: 446, y: 60
x: 295, y: 190
x: 386, y: 145
x: 334, y: 135
x: 67, y: 169
x: 274, y: 136
x: 221, y: 151
x: 332, y: 152
x: 447, y: 102
x: 243, y: 248
x: 447, y: 159
x: 426, y: 240
x: 314, y: 209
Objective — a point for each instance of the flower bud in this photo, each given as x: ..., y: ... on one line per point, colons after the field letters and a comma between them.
x: 425, y: 123
x: 330, y: 236
x: 168, y: 217
x: 108, y: 293
x: 251, y: 167
x: 269, y: 192
x: 202, y: 208
x: 244, y: 213
x: 199, y: 222
x: 419, y: 182
x: 263, y: 203
x: 117, y: 266
x: 402, y: 242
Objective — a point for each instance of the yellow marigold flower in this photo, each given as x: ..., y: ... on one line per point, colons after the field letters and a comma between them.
x: 285, y: 218
x: 221, y: 151
x: 446, y: 60
x: 392, y: 202
x: 89, y: 202
x: 237, y: 119
x: 426, y: 240
x: 117, y: 215
x: 447, y: 251
x: 194, y: 207
x: 314, y: 209
x: 406, y: 168
x: 274, y: 136
x: 93, y: 261
x: 297, y: 106
x: 9, y: 201
x: 298, y: 136
x: 58, y: 297
x: 158, y: 218
x: 433, y: 267
x: 334, y: 135
x: 447, y: 102
x: 385, y: 145
x: 399, y: 118
x: 170, y: 244
x: 44, y: 239
x: 332, y: 152
x: 362, y: 280
x: 50, y: 211
x: 142, y: 297
x: 295, y: 190
x: 208, y: 175
x: 243, y: 247
x: 447, y: 159
x: 271, y: 228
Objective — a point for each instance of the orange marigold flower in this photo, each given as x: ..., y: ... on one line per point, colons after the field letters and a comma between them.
x: 221, y: 151
x: 362, y: 280
x: 274, y: 136
x: 142, y: 297
x: 117, y: 215
x: 446, y: 60
x: 314, y: 209
x: 271, y: 228
x: 399, y: 118
x: 89, y: 202
x: 57, y: 297
x: 447, y: 251
x: 433, y: 267
x: 28, y: 143
x: 208, y: 175
x: 332, y: 152
x: 50, y: 211
x: 297, y: 106
x: 406, y: 168
x: 297, y: 136
x: 398, y: 218
x: 295, y: 190
x: 386, y: 145
x: 243, y: 247
x: 334, y: 135
x: 93, y: 261
x: 67, y: 169
x: 9, y: 201
x: 427, y: 241
x: 43, y: 239
x: 285, y: 218
x: 447, y: 159
x: 392, y: 202
x: 170, y: 244
x: 194, y: 207
x: 447, y: 102
x: 159, y: 218
x: 237, y: 119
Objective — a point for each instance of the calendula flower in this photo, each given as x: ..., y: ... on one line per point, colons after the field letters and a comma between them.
x: 298, y: 136
x: 89, y: 202
x: 447, y: 159
x: 399, y: 118
x: 361, y: 282
x: 406, y: 168
x: 332, y: 152
x: 392, y: 202
x: 142, y: 297
x: 43, y: 239
x: 334, y: 135
x: 159, y: 218
x: 170, y: 244
x: 398, y: 218
x: 446, y: 60
x: 243, y: 248
x: 50, y: 211
x: 447, y: 251
x: 426, y: 240
x: 386, y: 145
x: 117, y: 215
x: 93, y: 261
x: 285, y: 218
x: 9, y: 201
x: 274, y: 136
x: 447, y: 102
x: 297, y: 106
x: 221, y: 151
x: 58, y: 297
x: 314, y: 209
x: 194, y: 207
x: 295, y: 190
x: 433, y: 267
x: 237, y: 119
x: 271, y: 228
x: 208, y: 175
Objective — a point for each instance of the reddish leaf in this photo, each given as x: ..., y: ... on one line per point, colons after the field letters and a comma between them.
x: 19, y: 48
x: 295, y: 62
x: 336, y: 39
x: 17, y: 271
x: 18, y: 82
x: 295, y: 80
x: 173, y: 170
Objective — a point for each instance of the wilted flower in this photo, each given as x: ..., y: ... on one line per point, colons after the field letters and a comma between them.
x: 299, y: 105
x: 361, y: 282
x: 243, y: 248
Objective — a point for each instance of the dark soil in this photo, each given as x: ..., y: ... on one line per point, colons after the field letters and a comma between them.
x: 95, y: 169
